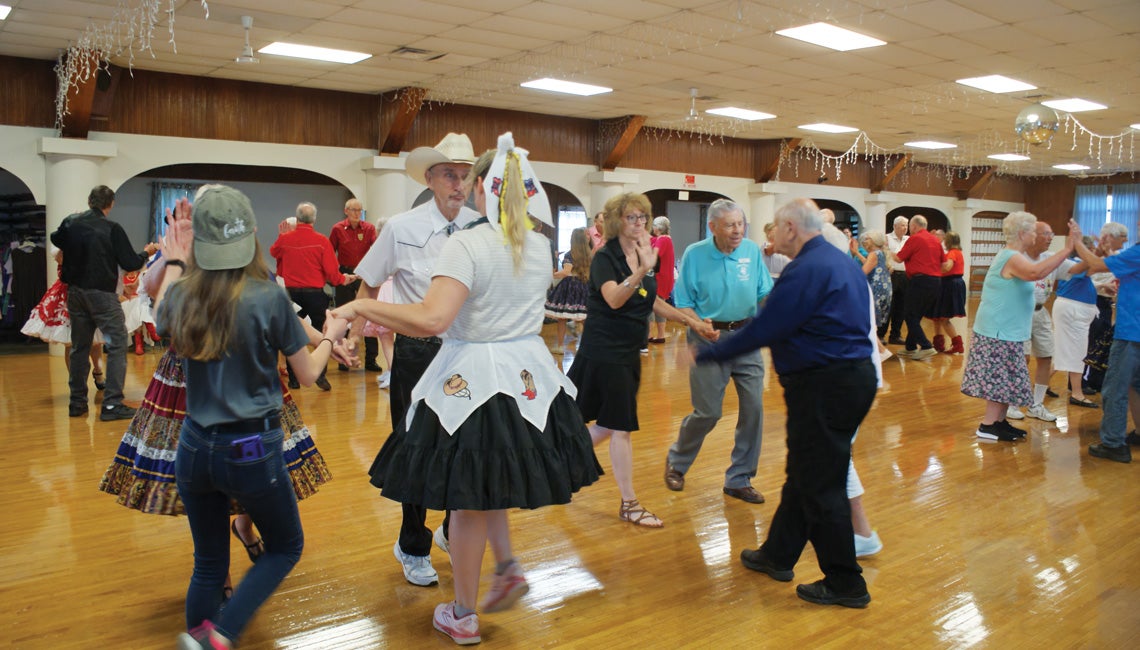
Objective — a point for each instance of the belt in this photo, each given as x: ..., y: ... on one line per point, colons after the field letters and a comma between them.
x: 256, y: 425
x: 306, y: 289
x: 423, y: 339
x: 729, y: 326
x: 1038, y: 307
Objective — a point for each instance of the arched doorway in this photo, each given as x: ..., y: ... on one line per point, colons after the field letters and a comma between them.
x: 846, y: 217
x: 935, y: 219
x: 688, y: 216
x: 23, y: 239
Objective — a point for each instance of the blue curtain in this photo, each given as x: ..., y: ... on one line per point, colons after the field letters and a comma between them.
x: 162, y: 196
x: 1091, y: 208
x: 1126, y: 208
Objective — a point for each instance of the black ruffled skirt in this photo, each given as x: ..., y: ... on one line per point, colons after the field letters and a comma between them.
x: 495, y: 460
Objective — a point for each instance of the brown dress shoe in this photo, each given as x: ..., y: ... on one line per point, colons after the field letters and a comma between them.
x: 674, y: 480
x: 747, y: 493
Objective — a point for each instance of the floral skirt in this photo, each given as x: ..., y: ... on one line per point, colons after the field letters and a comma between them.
x: 996, y: 371
x: 568, y: 299
x: 142, y: 473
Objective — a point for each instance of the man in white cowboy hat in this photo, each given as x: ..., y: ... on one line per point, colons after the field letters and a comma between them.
x: 406, y: 251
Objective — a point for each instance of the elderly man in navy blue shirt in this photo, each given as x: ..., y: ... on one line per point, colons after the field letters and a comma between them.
x: 821, y: 349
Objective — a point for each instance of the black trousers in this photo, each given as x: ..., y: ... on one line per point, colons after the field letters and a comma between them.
x: 898, y: 303
x: 313, y: 303
x: 922, y: 293
x: 345, y: 294
x: 825, y: 408
x: 410, y: 358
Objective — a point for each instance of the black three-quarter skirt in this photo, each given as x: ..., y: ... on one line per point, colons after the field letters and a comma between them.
x: 495, y: 460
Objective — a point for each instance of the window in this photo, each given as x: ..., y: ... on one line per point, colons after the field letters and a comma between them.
x: 569, y: 218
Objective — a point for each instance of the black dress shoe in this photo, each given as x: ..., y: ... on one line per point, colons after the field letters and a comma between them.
x: 757, y: 561
x: 372, y: 366
x: 341, y: 367
x: 119, y: 412
x: 323, y: 383
x: 1133, y: 438
x: 674, y: 480
x: 895, y: 340
x: 1121, y: 454
x: 747, y: 493
x: 1051, y: 393
x: 821, y: 594
x: 76, y: 410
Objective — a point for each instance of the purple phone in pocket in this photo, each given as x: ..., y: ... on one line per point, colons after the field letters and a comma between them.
x: 249, y: 448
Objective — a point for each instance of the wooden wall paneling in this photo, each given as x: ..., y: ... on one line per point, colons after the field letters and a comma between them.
x: 105, y: 88
x: 807, y: 170
x: 1051, y: 200
x: 674, y: 151
x: 548, y: 138
x: 620, y: 144
x: 769, y: 155
x: 29, y: 97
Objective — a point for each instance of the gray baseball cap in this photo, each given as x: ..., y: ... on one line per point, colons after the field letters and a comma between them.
x: 224, y: 228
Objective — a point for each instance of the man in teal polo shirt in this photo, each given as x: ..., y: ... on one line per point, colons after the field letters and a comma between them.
x: 722, y: 280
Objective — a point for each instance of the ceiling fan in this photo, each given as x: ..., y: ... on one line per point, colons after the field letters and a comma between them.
x: 246, y: 55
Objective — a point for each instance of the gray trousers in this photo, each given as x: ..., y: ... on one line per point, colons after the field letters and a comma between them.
x: 707, y: 382
x: 93, y: 309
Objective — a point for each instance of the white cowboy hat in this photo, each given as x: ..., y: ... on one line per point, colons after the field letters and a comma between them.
x: 453, y: 148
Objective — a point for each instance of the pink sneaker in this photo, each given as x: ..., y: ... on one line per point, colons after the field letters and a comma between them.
x: 464, y: 631
x: 202, y: 637
x: 506, y: 589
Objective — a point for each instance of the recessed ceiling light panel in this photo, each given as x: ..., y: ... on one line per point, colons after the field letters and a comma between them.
x: 1008, y: 156
x: 1071, y: 167
x: 4, y: 11
x: 1075, y: 105
x: 1135, y: 126
x: 995, y: 83
x: 568, y: 87
x: 740, y: 113
x: 831, y: 36
x: 931, y: 144
x: 824, y: 127
x: 314, y: 53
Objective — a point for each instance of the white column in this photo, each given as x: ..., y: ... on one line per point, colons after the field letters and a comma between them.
x: 606, y: 185
x: 384, y: 187
x: 962, y: 222
x: 878, y: 205
x: 72, y: 170
x: 762, y: 208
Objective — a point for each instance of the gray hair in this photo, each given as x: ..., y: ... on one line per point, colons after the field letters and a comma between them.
x: 876, y: 237
x: 919, y: 221
x: 306, y: 212
x: 721, y: 207
x: 901, y: 219
x: 661, y: 224
x: 802, y: 212
x: 1114, y: 229
x: 827, y: 215
x: 1016, y: 223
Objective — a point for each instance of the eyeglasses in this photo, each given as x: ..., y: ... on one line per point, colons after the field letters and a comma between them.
x: 635, y: 218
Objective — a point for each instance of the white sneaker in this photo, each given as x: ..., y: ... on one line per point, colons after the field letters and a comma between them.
x: 464, y: 631
x: 885, y: 354
x: 865, y: 546
x: 1041, y: 413
x: 1014, y: 413
x: 384, y: 380
x: 441, y: 540
x: 417, y: 570
x: 557, y: 349
x: 923, y: 353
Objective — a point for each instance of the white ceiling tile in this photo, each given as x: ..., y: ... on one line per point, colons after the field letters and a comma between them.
x: 529, y: 28
x: 944, y: 16
x: 1069, y: 29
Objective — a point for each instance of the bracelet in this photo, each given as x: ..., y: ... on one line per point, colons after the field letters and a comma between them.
x: 323, y: 340
x: 179, y: 263
x: 625, y: 283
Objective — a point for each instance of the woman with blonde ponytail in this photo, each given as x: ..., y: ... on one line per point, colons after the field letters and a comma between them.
x: 493, y: 424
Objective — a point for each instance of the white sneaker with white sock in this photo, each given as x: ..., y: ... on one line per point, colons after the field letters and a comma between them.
x: 1041, y: 413
x: 1014, y: 413
x: 865, y: 546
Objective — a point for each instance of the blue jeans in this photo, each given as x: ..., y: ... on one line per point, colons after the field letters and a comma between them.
x: 208, y: 476
x: 1123, y: 374
x: 93, y: 309
x: 707, y: 383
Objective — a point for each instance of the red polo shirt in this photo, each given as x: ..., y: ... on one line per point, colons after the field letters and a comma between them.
x: 305, y: 259
x: 349, y: 243
x: 922, y: 254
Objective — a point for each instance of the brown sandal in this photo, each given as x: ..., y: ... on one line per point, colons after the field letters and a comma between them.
x: 634, y: 513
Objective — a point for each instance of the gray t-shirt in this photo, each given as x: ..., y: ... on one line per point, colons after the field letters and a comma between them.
x: 244, y: 384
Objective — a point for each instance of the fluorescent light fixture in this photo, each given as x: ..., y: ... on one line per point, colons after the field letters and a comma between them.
x: 995, y: 83
x: 740, y: 113
x: 1075, y: 105
x: 931, y: 144
x: 831, y: 36
x: 824, y: 127
x: 315, y: 53
x: 1135, y: 126
x: 1071, y: 167
x: 568, y: 87
x: 1008, y: 156
x: 4, y: 11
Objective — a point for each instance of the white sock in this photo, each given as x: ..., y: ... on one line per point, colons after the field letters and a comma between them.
x: 1039, y: 393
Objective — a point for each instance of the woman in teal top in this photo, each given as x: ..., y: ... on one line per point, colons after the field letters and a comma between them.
x: 995, y: 369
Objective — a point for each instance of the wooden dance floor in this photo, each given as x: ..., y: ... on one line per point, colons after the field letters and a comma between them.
x: 987, y: 545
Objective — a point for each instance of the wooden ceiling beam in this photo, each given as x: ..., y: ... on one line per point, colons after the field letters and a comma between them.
x: 406, y: 107
x: 891, y: 173
x: 786, y: 147
x: 80, y: 101
x: 633, y: 126
x: 967, y: 187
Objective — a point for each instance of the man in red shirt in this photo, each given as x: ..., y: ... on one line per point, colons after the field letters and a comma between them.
x: 923, y: 255
x: 305, y: 261
x: 351, y: 239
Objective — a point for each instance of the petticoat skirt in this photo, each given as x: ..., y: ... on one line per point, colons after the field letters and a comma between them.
x: 495, y: 459
x: 142, y: 473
